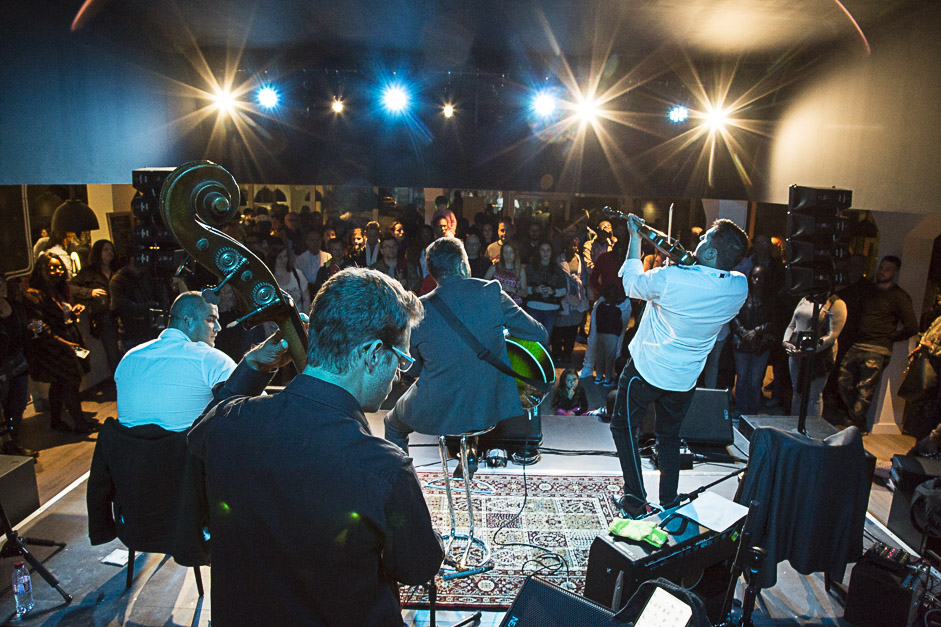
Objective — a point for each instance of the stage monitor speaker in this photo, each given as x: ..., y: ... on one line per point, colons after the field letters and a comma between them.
x: 879, y: 596
x: 17, y: 257
x: 540, y: 603
x: 518, y: 430
x: 693, y: 556
x: 18, y: 490
x: 708, y: 421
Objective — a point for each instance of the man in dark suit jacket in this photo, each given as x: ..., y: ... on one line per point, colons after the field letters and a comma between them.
x: 458, y: 392
x: 334, y: 516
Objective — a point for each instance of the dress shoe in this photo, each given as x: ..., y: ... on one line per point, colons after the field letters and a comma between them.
x: 13, y: 448
x: 84, y: 427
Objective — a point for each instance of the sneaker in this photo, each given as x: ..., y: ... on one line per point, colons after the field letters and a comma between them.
x: 585, y: 375
x: 599, y: 380
x: 607, y: 382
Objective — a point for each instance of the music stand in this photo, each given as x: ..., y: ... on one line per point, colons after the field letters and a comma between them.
x: 16, y: 546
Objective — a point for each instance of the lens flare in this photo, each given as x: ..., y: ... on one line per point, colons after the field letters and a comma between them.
x: 268, y: 97
x: 395, y: 98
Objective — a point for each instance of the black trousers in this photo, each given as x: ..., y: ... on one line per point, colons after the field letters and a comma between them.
x: 634, y: 395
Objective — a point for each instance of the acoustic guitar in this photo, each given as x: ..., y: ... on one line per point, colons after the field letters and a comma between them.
x: 530, y: 359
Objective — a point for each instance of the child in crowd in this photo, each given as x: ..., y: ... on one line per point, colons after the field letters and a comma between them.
x: 569, y: 398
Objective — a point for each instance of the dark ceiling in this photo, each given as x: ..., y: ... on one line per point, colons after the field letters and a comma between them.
x: 456, y: 34
x: 487, y: 56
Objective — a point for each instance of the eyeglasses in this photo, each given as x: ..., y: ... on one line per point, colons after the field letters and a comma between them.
x: 405, y: 360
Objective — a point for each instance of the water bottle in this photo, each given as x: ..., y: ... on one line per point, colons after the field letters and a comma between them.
x: 22, y: 589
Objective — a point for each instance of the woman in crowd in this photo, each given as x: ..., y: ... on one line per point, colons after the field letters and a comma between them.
x: 547, y: 287
x: 291, y: 280
x: 752, y: 338
x: 486, y: 234
x: 574, y: 305
x: 396, y: 231
x: 14, y: 371
x: 53, y: 352
x: 90, y: 288
x: 831, y: 318
x: 509, y: 273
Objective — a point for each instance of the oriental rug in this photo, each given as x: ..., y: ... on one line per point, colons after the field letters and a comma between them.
x: 564, y: 514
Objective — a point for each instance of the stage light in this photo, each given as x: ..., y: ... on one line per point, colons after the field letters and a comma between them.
x: 224, y: 100
x: 544, y: 104
x: 587, y: 109
x: 395, y: 98
x: 678, y: 114
x: 716, y: 117
x: 448, y: 110
x: 268, y: 97
x: 337, y: 105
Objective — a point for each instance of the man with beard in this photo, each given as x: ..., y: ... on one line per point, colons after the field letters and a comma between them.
x: 885, y: 317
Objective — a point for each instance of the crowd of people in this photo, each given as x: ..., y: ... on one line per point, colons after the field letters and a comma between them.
x: 430, y: 301
x: 565, y: 277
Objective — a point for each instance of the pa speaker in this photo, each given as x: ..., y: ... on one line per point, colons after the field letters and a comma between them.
x: 540, y: 603
x: 708, y: 421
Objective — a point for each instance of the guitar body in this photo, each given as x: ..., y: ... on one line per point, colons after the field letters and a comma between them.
x: 530, y: 359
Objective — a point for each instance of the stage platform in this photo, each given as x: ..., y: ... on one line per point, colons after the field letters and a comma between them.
x: 164, y: 593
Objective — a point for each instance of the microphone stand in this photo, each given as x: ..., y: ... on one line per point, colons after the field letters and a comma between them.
x: 16, y: 545
x: 692, y: 496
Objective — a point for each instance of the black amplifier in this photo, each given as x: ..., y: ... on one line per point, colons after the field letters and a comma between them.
x: 691, y: 556
x: 884, y: 590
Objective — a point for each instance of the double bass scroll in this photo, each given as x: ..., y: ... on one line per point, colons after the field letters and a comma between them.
x: 199, y: 196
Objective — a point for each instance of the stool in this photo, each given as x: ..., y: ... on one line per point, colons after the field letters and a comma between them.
x: 462, y: 567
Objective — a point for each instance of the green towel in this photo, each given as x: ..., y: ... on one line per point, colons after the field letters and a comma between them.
x: 639, y: 530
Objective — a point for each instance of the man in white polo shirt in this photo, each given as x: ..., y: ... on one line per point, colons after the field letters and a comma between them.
x: 687, y: 306
x: 168, y: 381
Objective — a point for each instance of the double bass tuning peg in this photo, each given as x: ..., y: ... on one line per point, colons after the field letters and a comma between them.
x: 211, y: 294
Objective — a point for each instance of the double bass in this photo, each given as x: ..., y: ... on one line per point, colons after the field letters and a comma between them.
x: 200, y: 196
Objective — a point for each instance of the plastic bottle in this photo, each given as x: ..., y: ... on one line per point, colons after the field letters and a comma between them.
x: 22, y: 589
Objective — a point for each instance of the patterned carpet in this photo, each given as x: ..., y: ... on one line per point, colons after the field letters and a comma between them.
x: 562, y: 513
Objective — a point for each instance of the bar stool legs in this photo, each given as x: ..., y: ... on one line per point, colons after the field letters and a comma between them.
x: 465, y: 565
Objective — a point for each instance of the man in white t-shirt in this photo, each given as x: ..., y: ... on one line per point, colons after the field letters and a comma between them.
x: 686, y: 308
x: 168, y: 381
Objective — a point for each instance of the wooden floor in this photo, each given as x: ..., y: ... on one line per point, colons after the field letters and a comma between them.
x: 64, y: 457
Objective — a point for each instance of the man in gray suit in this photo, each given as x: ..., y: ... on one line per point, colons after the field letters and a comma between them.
x: 458, y: 392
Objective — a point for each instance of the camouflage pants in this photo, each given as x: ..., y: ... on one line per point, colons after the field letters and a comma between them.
x: 860, y: 374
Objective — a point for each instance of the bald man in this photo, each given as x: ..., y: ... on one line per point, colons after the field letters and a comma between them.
x: 168, y: 381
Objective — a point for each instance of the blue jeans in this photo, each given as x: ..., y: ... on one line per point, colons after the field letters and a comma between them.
x: 544, y: 316
x: 749, y: 375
